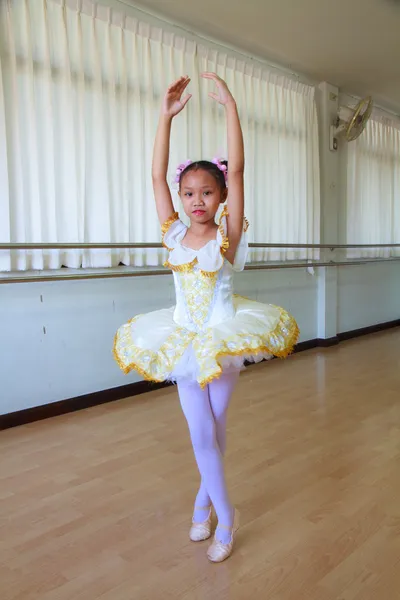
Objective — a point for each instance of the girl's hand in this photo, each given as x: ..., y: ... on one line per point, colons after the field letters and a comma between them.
x: 223, y: 95
x: 173, y: 102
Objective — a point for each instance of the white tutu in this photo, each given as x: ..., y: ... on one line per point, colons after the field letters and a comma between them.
x: 209, y: 330
x: 160, y: 350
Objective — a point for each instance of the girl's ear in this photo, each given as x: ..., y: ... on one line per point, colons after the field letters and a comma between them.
x: 224, y: 195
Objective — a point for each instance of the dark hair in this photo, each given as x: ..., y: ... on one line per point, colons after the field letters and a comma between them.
x: 209, y: 167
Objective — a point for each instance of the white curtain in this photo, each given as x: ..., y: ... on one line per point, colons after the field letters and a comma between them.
x: 80, y: 89
x: 373, y: 188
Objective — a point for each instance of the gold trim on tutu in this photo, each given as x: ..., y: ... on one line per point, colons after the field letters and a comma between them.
x: 158, y: 365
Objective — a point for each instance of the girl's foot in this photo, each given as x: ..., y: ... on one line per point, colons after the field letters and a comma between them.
x: 221, y: 550
x: 201, y: 524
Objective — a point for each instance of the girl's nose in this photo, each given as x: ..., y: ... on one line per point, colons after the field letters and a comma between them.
x: 198, y: 199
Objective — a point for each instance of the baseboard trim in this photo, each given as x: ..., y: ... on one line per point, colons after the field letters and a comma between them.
x: 63, y: 407
x: 55, y: 409
x: 349, y: 335
x: 328, y: 342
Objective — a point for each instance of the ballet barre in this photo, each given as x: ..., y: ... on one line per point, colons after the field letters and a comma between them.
x: 159, y: 246
x: 122, y: 272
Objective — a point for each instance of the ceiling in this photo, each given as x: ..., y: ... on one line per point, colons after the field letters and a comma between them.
x: 353, y: 44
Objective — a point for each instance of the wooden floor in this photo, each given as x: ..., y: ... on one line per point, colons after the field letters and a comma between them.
x: 97, y: 504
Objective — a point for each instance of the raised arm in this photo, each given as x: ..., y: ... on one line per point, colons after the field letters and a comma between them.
x: 172, y: 105
x: 235, y: 162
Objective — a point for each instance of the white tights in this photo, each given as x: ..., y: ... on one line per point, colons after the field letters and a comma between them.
x: 206, y: 413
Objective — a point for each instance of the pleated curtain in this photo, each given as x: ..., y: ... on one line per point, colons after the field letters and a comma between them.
x: 80, y: 90
x: 373, y: 188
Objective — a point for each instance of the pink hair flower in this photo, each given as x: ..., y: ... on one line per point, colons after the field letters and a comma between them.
x: 179, y: 170
x: 219, y: 163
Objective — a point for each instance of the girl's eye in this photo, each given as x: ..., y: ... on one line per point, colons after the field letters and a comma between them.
x: 207, y: 193
x: 188, y: 194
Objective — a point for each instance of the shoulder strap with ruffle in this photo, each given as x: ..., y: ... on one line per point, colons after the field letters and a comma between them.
x: 171, y: 229
x: 243, y: 247
x: 223, y: 231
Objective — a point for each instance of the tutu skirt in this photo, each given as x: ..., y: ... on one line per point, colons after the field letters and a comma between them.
x: 160, y: 349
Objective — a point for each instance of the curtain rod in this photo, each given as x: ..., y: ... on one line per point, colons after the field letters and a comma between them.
x: 161, y: 20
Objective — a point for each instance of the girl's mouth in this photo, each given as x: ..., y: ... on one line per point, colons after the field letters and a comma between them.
x: 199, y: 212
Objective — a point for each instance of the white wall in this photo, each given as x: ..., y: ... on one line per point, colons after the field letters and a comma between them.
x: 368, y: 295
x: 57, y: 336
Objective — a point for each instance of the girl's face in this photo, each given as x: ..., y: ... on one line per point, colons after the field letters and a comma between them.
x: 201, y: 195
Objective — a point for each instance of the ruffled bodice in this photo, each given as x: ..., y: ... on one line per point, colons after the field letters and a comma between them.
x: 203, y: 278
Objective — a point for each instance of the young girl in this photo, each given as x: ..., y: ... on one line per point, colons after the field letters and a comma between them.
x: 203, y: 342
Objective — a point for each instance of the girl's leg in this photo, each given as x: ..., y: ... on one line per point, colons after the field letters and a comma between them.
x: 207, y: 425
x: 220, y: 393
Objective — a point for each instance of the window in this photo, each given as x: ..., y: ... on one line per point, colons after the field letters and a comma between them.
x: 79, y: 102
x: 373, y: 189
